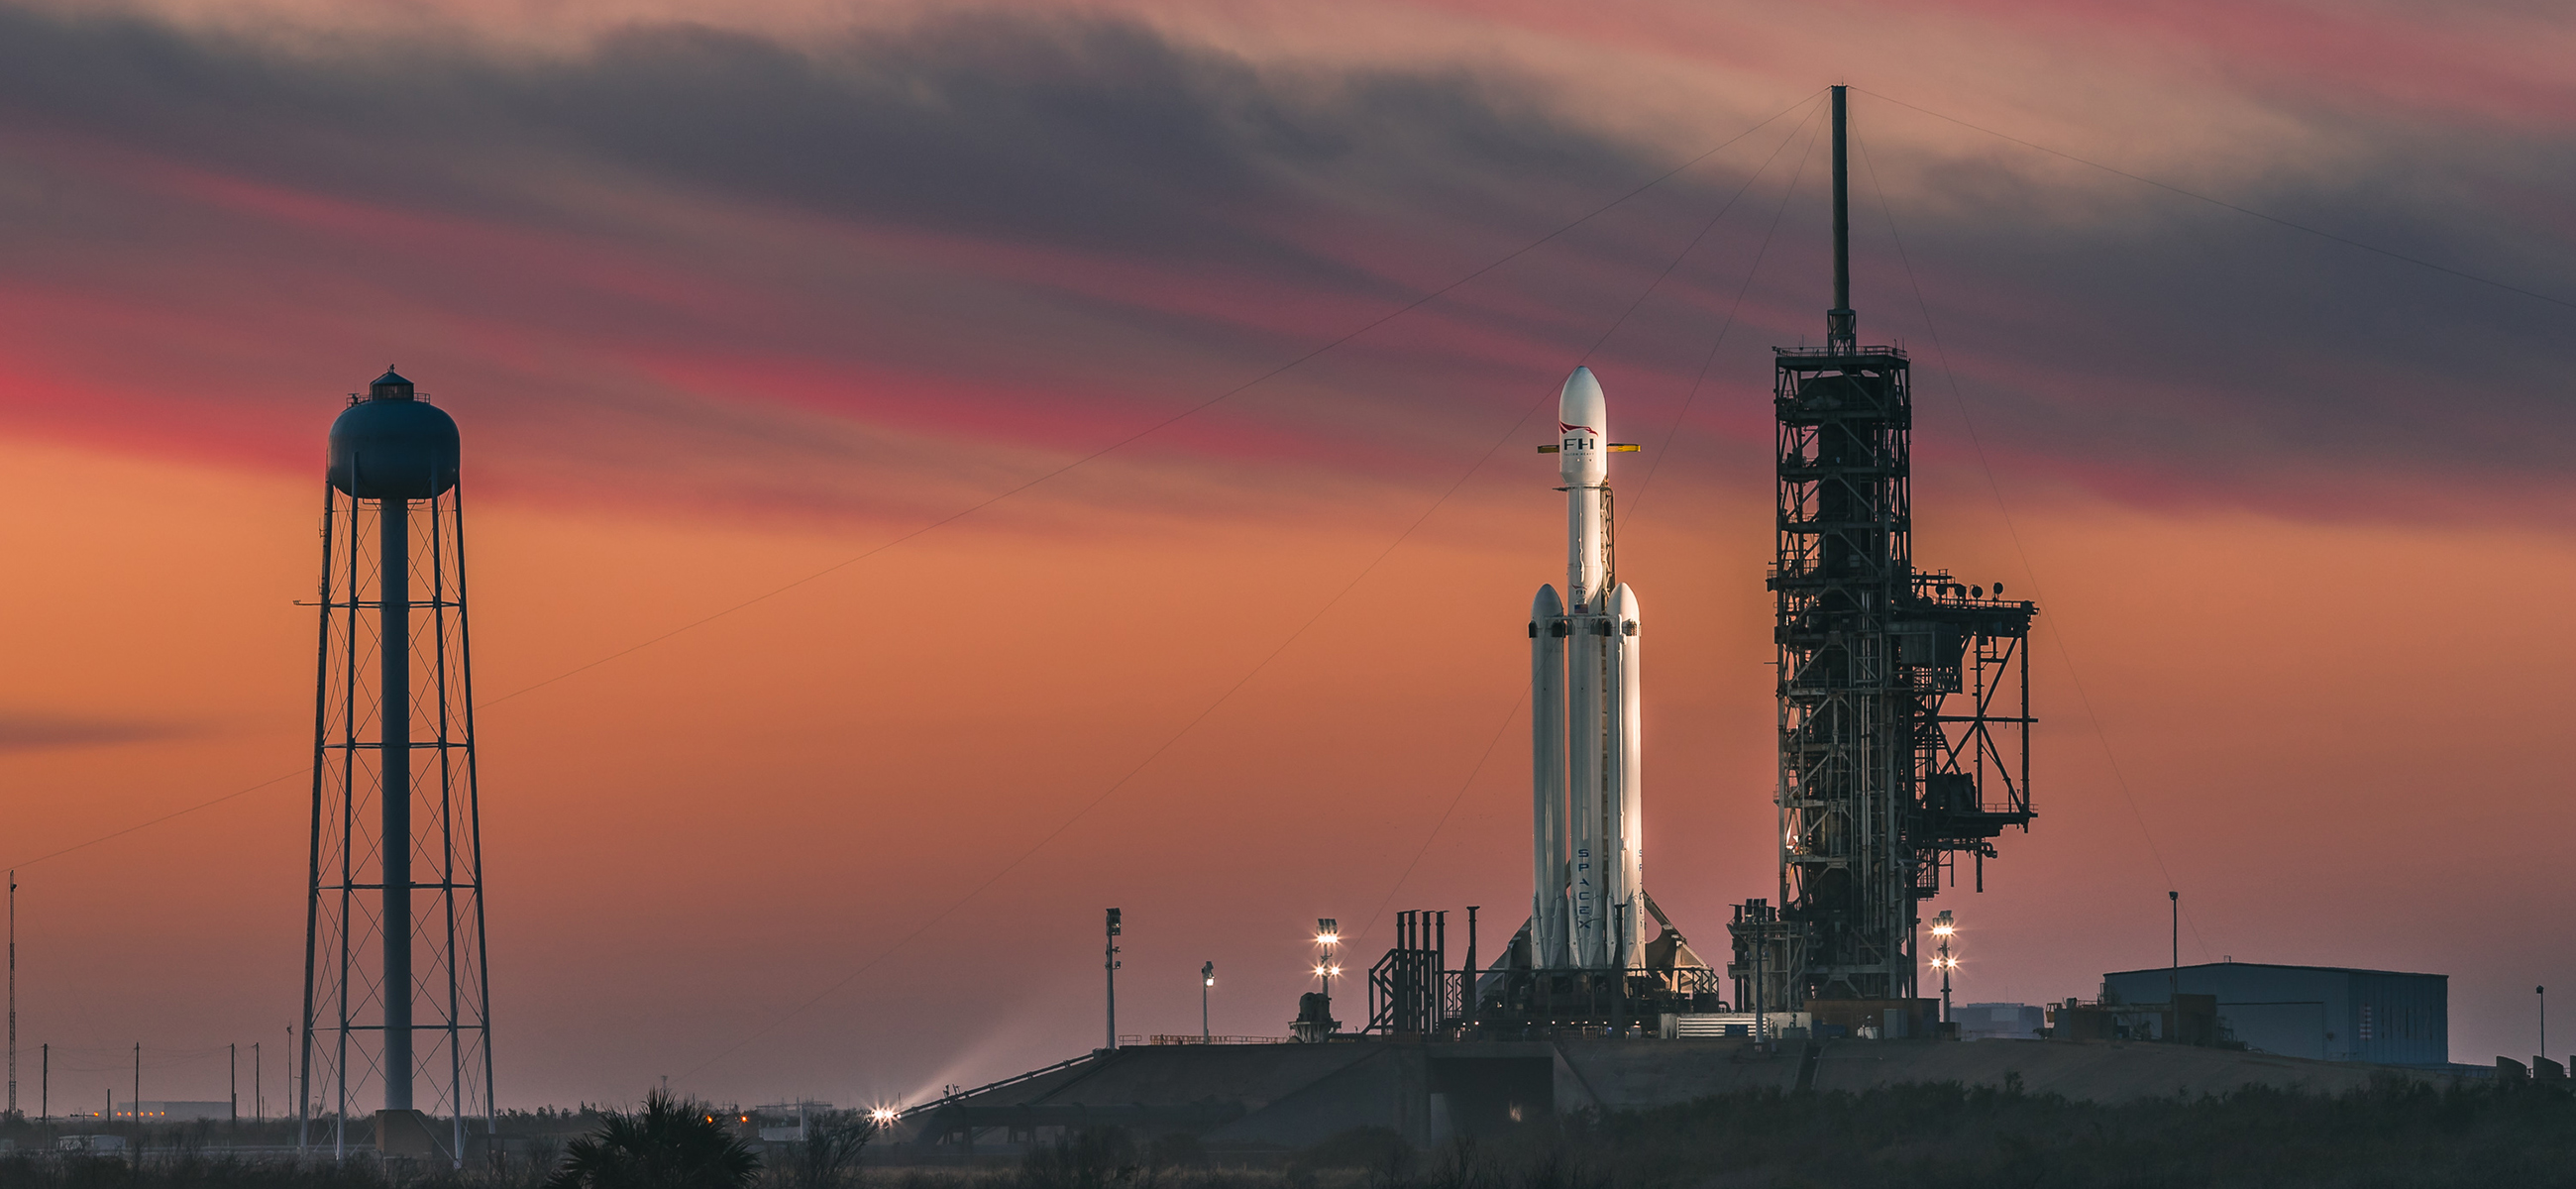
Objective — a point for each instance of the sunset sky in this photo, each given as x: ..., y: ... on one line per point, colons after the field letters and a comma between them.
x: 1229, y: 633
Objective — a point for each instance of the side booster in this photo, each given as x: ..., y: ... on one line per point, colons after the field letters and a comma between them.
x: 1586, y: 818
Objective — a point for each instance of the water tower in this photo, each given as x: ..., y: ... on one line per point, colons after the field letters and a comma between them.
x: 396, y: 997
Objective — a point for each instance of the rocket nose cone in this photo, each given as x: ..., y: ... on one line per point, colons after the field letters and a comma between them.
x: 1581, y: 403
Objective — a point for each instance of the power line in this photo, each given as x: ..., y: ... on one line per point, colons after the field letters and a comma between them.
x: 979, y: 506
x: 1184, y: 414
x: 1976, y: 445
x: 176, y: 813
x: 1293, y: 637
x: 1380, y: 911
x: 1656, y: 464
x: 1509, y: 717
x: 1704, y: 229
x: 2347, y: 241
x: 1141, y: 765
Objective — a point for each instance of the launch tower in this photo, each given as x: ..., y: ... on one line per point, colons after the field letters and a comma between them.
x: 396, y: 998
x: 1903, y: 694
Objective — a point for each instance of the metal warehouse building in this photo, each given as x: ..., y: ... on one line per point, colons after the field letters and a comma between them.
x: 2325, y: 1012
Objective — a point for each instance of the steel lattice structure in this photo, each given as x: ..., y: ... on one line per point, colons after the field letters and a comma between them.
x: 396, y: 990
x: 1903, y: 695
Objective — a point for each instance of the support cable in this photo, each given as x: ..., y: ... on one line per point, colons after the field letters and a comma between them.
x: 1293, y: 637
x: 970, y: 510
x: 2056, y: 635
x: 1655, y: 464
x: 1175, y: 418
x: 1509, y: 717
x: 1380, y: 911
x: 1141, y: 765
x: 1651, y: 467
x: 2242, y: 210
x: 1704, y: 229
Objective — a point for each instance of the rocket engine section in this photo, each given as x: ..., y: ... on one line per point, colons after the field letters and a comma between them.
x: 1586, y: 814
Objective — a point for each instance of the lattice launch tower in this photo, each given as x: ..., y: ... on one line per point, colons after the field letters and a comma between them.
x: 1903, y: 694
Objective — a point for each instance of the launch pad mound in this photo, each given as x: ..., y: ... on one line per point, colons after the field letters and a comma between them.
x: 1250, y: 1097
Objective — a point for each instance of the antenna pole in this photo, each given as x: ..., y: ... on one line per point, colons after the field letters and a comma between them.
x: 13, y: 992
x: 2173, y: 993
x: 1109, y: 966
x: 1841, y: 331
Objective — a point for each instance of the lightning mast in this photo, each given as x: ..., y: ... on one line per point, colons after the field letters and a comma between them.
x: 1903, y: 695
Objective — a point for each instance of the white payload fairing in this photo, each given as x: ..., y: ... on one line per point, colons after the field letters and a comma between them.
x: 1585, y: 819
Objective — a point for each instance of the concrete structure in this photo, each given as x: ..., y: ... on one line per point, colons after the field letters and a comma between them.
x: 1999, y: 1021
x: 1287, y: 1096
x: 2326, y: 1013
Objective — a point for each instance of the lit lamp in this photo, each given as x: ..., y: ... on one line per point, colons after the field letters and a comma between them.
x: 1207, y: 979
x: 1944, y: 961
x: 883, y: 1116
x: 1328, y: 934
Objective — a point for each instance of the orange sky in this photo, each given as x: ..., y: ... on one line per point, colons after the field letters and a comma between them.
x: 2299, y: 558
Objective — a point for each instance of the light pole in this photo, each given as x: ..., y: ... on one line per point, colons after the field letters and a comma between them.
x: 2173, y: 977
x: 1328, y: 935
x: 2542, y: 994
x: 1207, y: 979
x: 1109, y: 963
x: 13, y: 992
x: 1943, y: 927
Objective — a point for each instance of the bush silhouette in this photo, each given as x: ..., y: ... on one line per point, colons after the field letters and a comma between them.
x: 670, y: 1144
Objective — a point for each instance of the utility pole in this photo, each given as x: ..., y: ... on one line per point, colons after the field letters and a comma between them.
x: 1207, y: 979
x: 1470, y: 997
x: 13, y: 992
x: 258, y: 1103
x: 45, y: 1083
x: 138, y: 1089
x: 2173, y: 979
x: 1109, y: 964
x: 2542, y: 993
x: 232, y: 1073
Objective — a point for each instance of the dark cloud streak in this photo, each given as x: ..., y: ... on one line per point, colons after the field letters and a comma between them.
x: 2120, y: 340
x: 26, y: 731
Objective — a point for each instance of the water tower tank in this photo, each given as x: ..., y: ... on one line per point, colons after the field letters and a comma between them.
x: 392, y: 445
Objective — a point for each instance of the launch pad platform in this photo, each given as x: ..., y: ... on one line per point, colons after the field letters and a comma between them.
x: 1255, y: 1097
